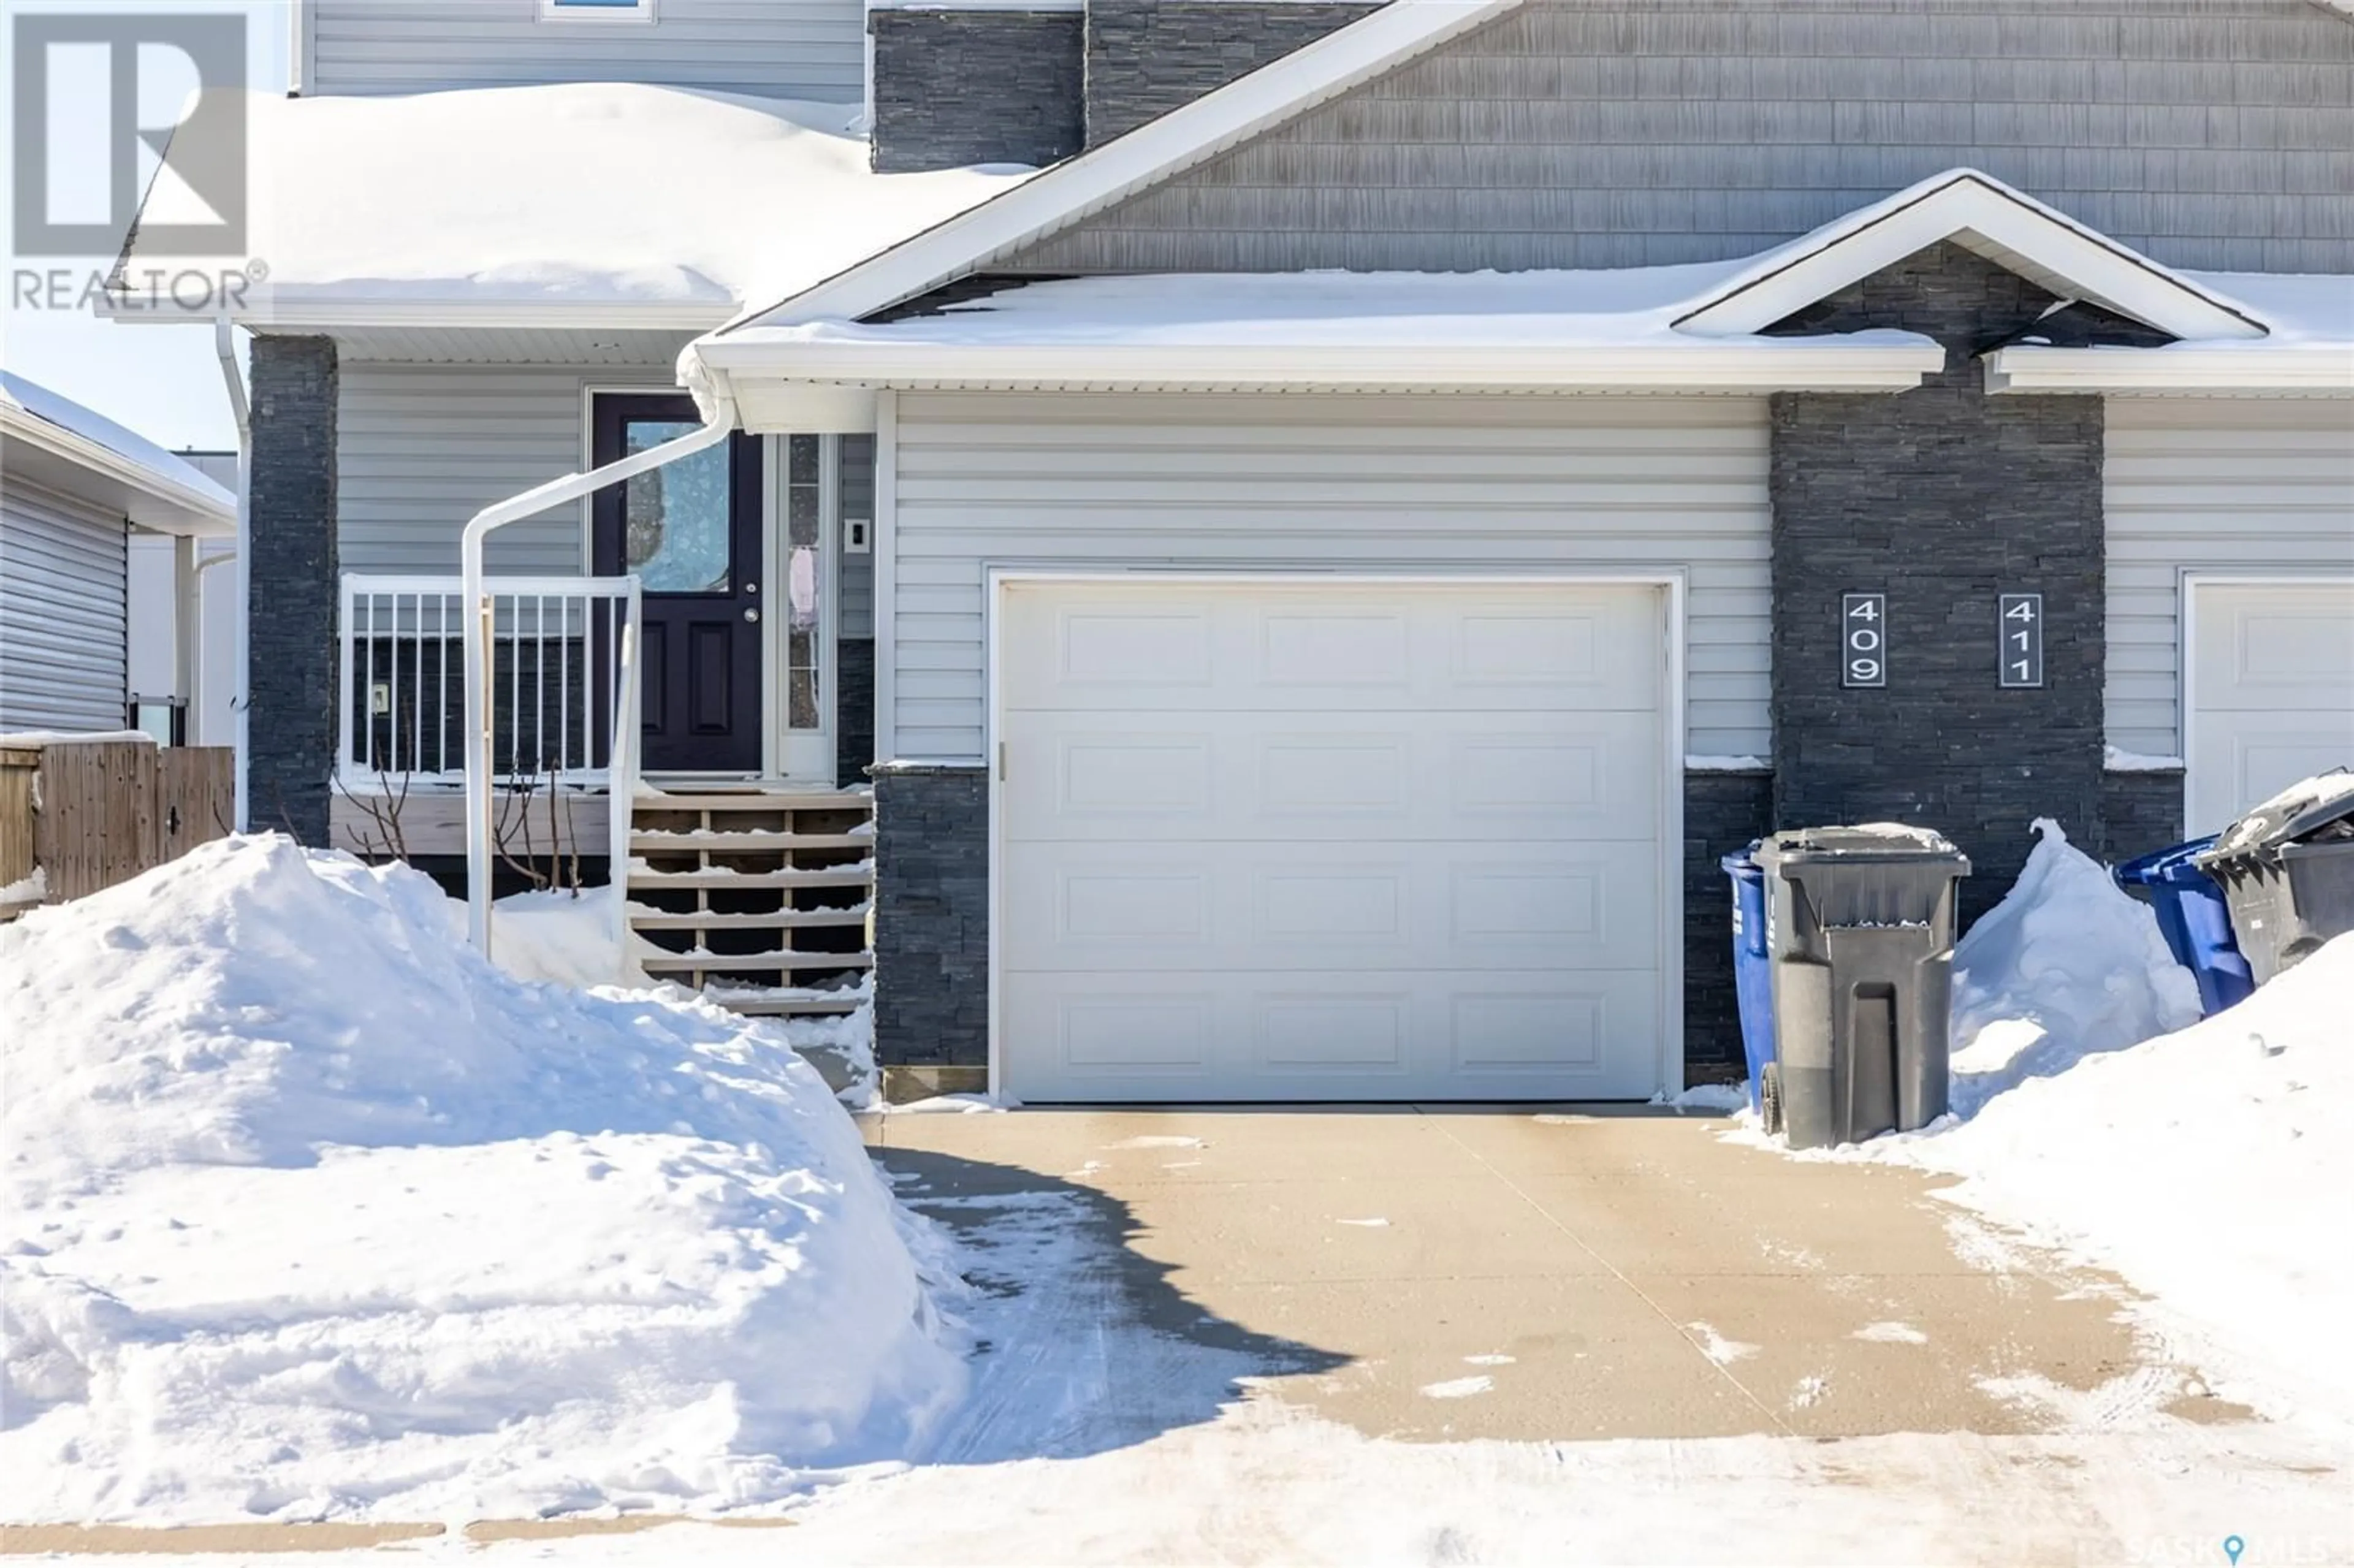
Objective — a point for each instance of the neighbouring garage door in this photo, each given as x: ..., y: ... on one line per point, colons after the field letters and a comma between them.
x: 1331, y: 841
x: 2272, y: 691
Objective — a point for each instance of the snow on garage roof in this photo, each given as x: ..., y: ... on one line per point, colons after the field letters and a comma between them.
x: 1533, y: 331
x: 74, y: 449
x: 619, y: 204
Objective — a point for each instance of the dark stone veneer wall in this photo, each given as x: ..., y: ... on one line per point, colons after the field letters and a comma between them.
x: 853, y: 709
x: 293, y: 569
x: 1145, y: 58
x: 1942, y: 498
x: 931, y: 916
x: 953, y: 88
x: 1018, y: 86
x: 1723, y: 812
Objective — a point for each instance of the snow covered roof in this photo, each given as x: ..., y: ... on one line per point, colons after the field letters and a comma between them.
x: 1557, y: 330
x: 56, y: 442
x: 576, y: 204
x: 2309, y: 347
x: 1693, y: 328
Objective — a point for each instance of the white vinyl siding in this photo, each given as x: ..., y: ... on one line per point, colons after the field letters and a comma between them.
x: 1470, y: 484
x: 767, y: 48
x: 422, y: 448
x: 2262, y: 487
x: 64, y: 576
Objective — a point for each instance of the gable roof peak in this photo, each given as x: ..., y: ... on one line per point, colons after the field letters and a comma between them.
x: 1983, y: 214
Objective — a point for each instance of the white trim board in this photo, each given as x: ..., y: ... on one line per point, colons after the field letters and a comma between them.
x: 2320, y: 371
x: 1671, y: 582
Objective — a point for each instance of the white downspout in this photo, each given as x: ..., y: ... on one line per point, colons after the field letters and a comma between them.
x: 224, y: 346
x: 720, y: 423
x: 205, y: 564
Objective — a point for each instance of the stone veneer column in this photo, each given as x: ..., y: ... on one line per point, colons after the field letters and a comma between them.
x: 931, y: 927
x: 292, y: 568
x: 853, y: 709
x: 1941, y: 498
x: 1723, y: 812
x: 990, y: 86
x: 1145, y: 58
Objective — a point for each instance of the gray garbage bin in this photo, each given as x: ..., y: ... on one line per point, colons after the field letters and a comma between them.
x: 2287, y: 871
x: 1860, y: 925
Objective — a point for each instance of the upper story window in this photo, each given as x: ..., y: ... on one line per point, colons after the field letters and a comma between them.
x: 597, y: 10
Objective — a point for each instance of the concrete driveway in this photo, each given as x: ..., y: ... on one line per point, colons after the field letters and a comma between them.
x: 1443, y: 1272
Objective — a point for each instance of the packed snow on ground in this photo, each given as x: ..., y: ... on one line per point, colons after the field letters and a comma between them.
x: 603, y: 193
x: 2208, y: 1163
x: 310, y: 1211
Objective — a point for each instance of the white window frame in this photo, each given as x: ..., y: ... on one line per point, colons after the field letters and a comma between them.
x: 577, y: 11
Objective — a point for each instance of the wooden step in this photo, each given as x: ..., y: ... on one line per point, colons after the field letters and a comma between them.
x: 736, y: 840
x: 674, y: 962
x: 790, y: 1006
x: 642, y: 919
x: 753, y: 800
x: 859, y: 875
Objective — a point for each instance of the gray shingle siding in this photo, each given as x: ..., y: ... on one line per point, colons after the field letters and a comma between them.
x: 766, y: 48
x: 2212, y: 133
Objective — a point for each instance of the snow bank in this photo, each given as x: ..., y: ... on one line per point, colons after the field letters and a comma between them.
x: 309, y: 1212
x: 2207, y: 1165
x: 2066, y: 965
x: 2210, y: 1167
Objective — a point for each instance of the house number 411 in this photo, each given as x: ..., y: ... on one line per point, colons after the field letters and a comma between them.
x: 2022, y: 639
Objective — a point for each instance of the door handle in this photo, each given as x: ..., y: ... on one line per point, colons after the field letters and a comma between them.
x: 752, y: 614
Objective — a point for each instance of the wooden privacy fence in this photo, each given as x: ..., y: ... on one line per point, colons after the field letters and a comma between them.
x: 80, y: 815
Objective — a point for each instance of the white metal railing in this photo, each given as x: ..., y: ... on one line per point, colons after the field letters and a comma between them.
x: 558, y: 680
x: 622, y: 773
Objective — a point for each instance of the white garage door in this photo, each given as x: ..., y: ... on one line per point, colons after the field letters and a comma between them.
x: 2272, y: 693
x: 1330, y: 842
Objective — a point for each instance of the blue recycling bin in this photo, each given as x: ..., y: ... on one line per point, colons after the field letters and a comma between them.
x: 2197, y: 921
x: 1752, y: 966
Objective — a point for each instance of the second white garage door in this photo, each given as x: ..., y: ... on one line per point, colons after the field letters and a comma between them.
x: 2272, y: 691
x: 1331, y: 840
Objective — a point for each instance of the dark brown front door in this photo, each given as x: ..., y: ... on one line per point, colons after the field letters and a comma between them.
x: 691, y: 530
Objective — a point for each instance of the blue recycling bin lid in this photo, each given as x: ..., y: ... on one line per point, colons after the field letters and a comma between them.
x: 2170, y: 867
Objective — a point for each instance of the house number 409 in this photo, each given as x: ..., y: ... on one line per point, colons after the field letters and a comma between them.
x: 1863, y: 659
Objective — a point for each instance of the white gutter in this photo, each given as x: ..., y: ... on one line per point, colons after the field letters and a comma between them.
x: 720, y: 423
x: 233, y: 379
x: 1752, y: 367
x: 2321, y: 370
